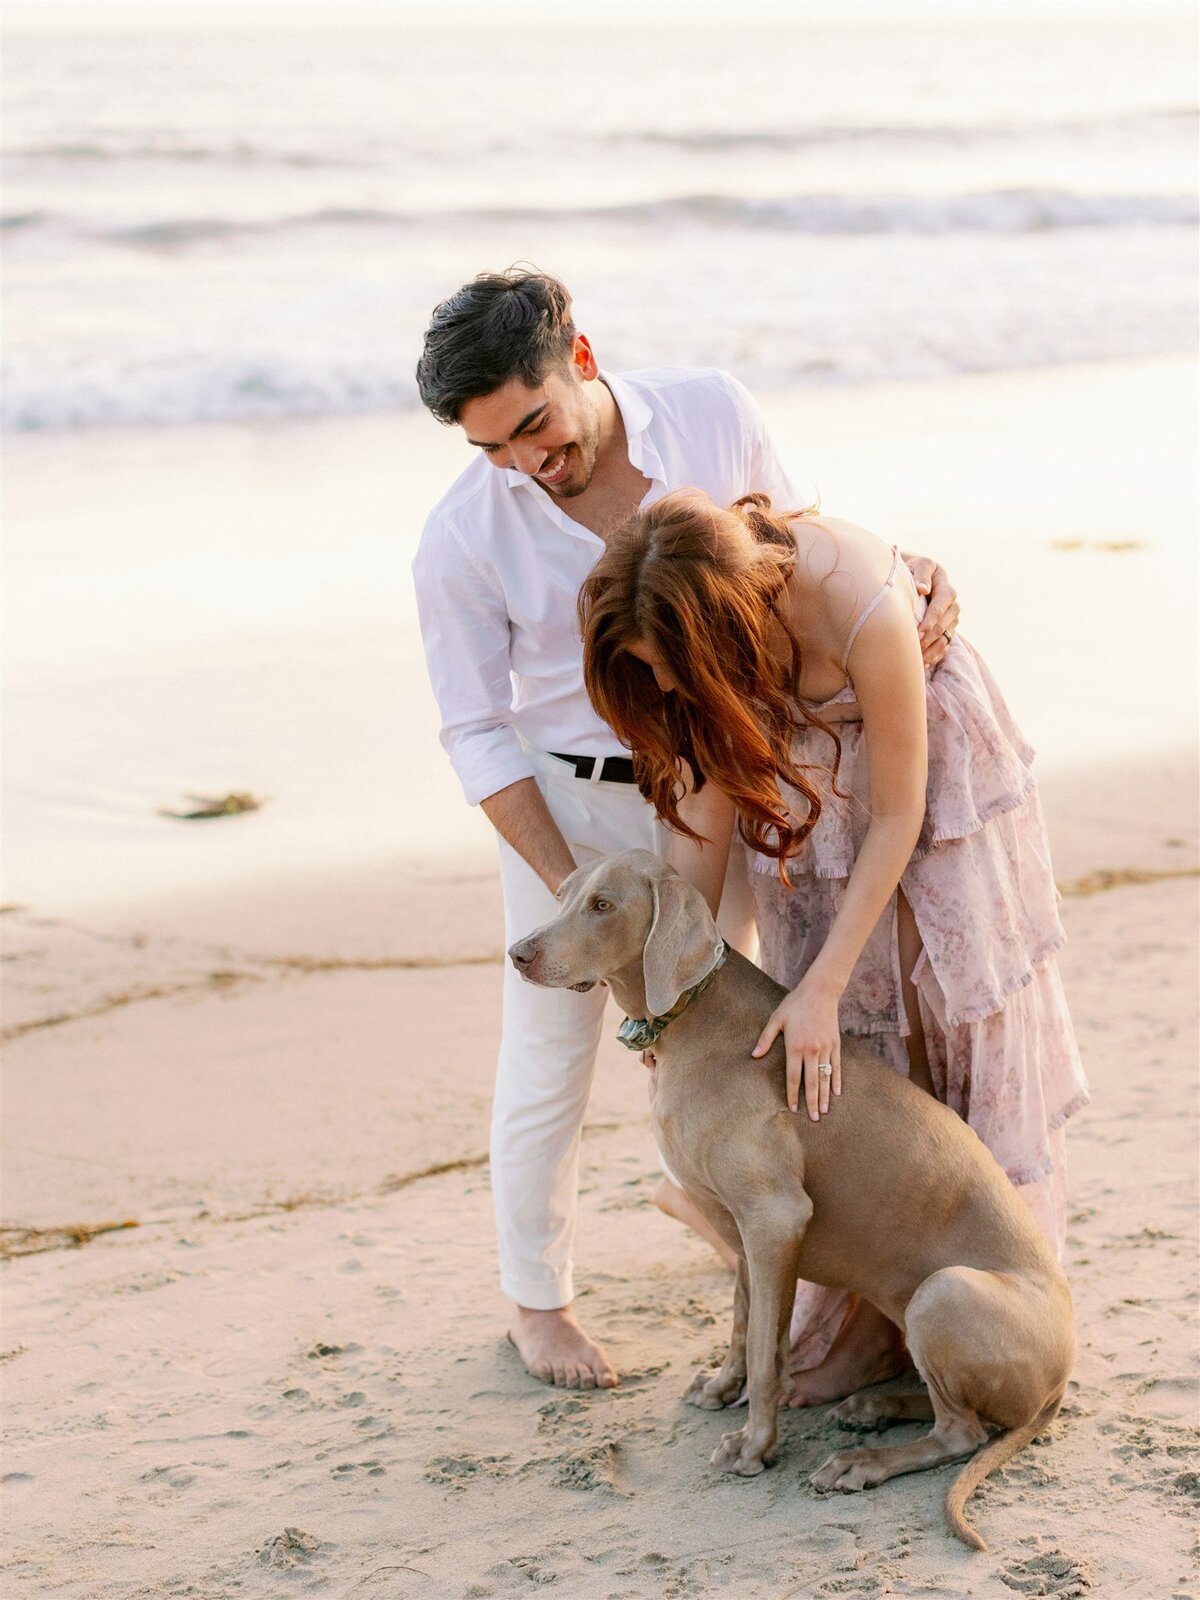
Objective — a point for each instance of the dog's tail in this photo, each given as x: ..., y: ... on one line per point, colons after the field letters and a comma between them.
x: 994, y: 1454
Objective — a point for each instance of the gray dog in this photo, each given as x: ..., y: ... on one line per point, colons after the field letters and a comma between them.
x: 890, y: 1196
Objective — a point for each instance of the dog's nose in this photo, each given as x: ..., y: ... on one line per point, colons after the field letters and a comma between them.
x: 521, y: 953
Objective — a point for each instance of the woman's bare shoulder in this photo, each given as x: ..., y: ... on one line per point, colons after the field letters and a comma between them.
x: 840, y: 563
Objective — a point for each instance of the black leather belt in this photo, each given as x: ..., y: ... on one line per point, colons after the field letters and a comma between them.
x: 613, y: 769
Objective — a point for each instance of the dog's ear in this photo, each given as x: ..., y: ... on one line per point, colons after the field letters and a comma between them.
x: 682, y: 943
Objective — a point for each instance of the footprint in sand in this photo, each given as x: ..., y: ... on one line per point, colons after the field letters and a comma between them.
x: 17, y: 1487
x: 321, y: 1351
x: 593, y: 1469
x: 1049, y: 1572
x: 1157, y: 1455
x: 570, y: 1415
x: 1171, y: 1398
x: 851, y: 1581
x: 528, y: 1569
x: 178, y: 1477
x: 374, y: 1427
x: 354, y: 1469
x: 290, y: 1549
x: 855, y: 1584
x: 456, y: 1472
x: 677, y: 1577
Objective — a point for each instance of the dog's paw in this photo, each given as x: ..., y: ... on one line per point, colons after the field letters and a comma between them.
x: 849, y: 1471
x: 739, y: 1452
x: 859, y: 1411
x: 712, y: 1390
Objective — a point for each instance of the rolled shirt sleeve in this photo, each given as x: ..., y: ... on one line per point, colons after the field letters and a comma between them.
x: 465, y: 634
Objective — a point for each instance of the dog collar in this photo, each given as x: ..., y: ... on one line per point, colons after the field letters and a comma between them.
x: 639, y: 1033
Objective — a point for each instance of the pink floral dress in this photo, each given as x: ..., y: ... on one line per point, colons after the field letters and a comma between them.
x: 999, y: 1037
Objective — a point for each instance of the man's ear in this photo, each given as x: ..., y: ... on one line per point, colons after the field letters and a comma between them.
x: 582, y: 359
x: 682, y: 943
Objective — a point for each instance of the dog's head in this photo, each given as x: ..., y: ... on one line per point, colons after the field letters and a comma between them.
x: 623, y: 910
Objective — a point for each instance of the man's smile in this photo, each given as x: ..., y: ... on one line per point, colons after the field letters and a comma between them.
x: 555, y: 470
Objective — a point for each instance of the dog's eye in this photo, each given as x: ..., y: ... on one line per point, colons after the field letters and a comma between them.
x: 601, y: 905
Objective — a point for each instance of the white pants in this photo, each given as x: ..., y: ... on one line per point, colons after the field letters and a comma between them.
x: 549, y: 1038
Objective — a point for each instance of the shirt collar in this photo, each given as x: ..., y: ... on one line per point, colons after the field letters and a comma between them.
x: 634, y: 407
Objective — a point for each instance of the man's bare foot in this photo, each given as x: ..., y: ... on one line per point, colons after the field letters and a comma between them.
x: 867, y: 1350
x: 669, y: 1197
x: 555, y: 1349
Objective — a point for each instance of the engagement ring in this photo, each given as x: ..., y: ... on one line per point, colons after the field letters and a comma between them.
x: 825, y: 1068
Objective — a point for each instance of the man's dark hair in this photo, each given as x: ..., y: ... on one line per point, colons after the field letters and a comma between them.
x: 501, y: 325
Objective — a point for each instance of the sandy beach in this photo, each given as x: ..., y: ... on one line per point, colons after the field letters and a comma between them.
x: 252, y: 1341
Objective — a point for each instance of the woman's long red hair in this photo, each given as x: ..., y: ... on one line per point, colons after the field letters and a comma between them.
x: 702, y: 587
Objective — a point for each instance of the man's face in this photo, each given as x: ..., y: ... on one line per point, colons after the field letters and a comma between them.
x: 551, y: 432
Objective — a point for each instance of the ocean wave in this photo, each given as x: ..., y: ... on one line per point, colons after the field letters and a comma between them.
x: 241, y: 153
x: 714, y: 141
x: 182, y: 231
x: 236, y: 153
x: 992, y: 211
x: 175, y: 391
x: 1015, y: 211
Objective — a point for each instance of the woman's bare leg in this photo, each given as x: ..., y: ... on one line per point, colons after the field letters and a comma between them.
x: 909, y: 940
x: 868, y: 1347
x: 867, y: 1350
x: 669, y: 1197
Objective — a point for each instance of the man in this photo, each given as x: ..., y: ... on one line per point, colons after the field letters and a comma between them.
x: 567, y: 453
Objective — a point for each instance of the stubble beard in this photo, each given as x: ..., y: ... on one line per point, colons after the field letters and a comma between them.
x: 588, y: 448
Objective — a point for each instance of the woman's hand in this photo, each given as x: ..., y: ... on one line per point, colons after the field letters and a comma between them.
x: 808, y: 1020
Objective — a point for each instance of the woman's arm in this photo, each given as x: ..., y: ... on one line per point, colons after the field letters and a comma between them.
x: 711, y: 813
x: 889, y: 682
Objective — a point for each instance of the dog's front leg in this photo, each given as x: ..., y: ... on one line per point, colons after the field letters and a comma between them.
x: 772, y: 1240
x: 712, y: 1390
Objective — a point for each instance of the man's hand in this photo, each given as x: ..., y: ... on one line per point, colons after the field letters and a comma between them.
x: 522, y: 818
x: 941, y: 611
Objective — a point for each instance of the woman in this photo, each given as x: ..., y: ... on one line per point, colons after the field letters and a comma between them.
x: 765, y: 668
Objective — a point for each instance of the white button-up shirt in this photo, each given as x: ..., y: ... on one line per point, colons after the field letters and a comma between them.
x: 500, y: 565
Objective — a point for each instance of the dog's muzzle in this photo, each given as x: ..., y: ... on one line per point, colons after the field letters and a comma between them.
x: 525, y: 954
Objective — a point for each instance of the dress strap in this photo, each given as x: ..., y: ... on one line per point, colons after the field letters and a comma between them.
x: 864, y: 614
